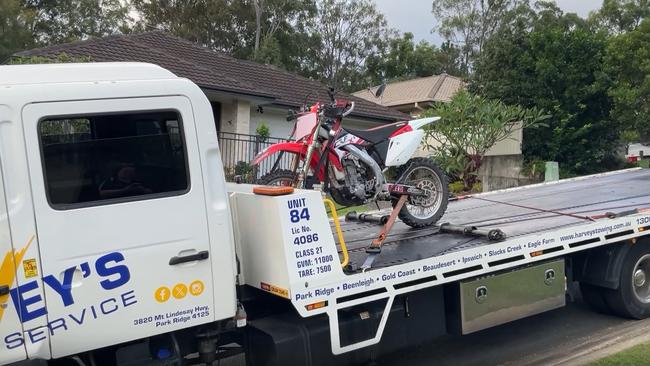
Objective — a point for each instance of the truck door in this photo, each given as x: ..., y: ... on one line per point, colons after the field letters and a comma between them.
x: 10, y: 325
x: 121, y: 219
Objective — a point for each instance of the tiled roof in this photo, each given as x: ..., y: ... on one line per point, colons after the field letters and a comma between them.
x: 211, y: 70
x: 436, y: 88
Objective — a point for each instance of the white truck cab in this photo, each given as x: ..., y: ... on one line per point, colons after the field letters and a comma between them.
x: 114, y: 213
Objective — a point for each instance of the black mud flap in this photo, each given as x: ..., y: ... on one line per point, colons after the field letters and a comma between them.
x: 602, y: 266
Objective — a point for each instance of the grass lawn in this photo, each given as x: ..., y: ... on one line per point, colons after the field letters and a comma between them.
x: 636, y: 356
x: 341, y: 211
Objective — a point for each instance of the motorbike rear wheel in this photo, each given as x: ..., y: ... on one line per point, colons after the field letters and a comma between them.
x: 421, y: 211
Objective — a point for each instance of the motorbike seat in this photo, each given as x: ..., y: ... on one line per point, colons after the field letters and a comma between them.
x: 377, y: 134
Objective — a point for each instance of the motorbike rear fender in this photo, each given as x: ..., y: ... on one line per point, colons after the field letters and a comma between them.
x: 402, y: 147
x: 419, y: 123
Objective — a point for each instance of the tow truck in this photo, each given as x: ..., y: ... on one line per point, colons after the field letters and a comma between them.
x: 122, y: 244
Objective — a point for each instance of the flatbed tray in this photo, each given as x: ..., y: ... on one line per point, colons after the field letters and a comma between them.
x: 592, y: 195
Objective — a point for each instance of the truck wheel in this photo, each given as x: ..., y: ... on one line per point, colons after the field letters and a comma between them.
x: 424, y: 174
x: 594, y: 297
x: 280, y: 177
x: 632, y: 298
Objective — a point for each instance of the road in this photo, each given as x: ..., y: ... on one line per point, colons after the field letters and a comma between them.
x: 570, y: 336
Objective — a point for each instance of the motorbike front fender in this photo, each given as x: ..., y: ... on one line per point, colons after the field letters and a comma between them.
x: 290, y: 147
x: 295, y: 148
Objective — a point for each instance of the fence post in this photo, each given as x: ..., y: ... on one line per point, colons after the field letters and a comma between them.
x: 256, y: 150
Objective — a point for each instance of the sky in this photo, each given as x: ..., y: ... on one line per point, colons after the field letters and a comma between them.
x: 415, y: 15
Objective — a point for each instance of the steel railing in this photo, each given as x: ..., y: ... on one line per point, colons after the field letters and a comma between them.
x: 238, y: 151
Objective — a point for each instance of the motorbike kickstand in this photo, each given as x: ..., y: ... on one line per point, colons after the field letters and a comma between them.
x: 375, y: 247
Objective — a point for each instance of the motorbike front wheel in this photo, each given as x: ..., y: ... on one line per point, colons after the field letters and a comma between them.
x: 421, y: 211
x: 280, y: 177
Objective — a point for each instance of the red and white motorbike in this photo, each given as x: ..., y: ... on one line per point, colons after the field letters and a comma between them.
x: 357, y: 167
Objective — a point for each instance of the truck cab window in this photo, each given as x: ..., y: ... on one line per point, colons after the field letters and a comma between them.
x: 101, y: 159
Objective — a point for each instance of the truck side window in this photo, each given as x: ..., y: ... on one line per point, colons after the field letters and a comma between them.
x: 108, y: 158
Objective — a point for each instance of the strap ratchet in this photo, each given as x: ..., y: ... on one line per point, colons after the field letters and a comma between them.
x: 375, y: 248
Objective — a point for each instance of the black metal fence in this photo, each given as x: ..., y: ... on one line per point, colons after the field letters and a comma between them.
x: 239, y: 150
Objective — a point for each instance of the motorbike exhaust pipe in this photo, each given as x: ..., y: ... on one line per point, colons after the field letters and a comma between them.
x: 363, y: 156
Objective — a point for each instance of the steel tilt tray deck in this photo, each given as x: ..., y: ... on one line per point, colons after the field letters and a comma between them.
x: 586, y: 196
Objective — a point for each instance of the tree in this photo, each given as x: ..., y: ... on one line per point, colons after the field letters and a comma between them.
x: 277, y: 39
x: 404, y: 59
x: 343, y: 35
x: 224, y: 25
x: 29, y: 23
x: 258, y: 5
x: 262, y: 30
x: 66, y: 21
x: 469, y: 23
x: 543, y: 58
x: 470, y: 125
x: 327, y: 40
x: 628, y: 71
x: 620, y: 16
x: 451, y: 61
x: 61, y: 58
x: 15, y: 22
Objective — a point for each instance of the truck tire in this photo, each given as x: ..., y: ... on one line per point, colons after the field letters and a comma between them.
x: 280, y: 177
x: 632, y: 297
x: 437, y: 180
x: 594, y: 296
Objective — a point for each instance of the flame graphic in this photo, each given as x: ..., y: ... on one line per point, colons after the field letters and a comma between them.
x: 8, y: 270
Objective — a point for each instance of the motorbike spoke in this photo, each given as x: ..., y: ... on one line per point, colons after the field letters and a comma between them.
x: 429, y: 182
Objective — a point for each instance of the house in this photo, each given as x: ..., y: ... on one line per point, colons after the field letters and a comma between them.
x: 243, y: 94
x: 416, y: 95
x: 502, y: 168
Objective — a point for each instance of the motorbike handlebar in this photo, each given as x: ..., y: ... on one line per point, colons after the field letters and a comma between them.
x: 349, y: 110
x: 338, y: 110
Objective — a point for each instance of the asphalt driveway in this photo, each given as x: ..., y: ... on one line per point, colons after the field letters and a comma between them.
x: 573, y: 335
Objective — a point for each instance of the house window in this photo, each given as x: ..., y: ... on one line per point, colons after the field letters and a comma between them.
x: 108, y: 158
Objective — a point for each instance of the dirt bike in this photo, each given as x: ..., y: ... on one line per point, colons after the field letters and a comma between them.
x: 354, y: 166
